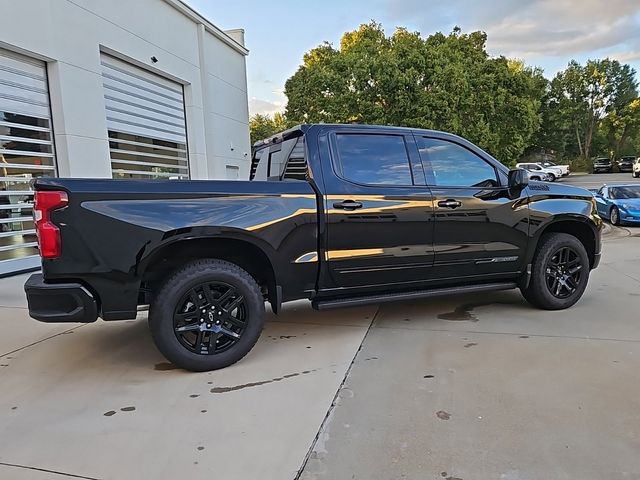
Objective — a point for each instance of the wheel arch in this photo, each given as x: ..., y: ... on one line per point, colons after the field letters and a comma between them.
x: 242, y: 252
x: 582, y: 230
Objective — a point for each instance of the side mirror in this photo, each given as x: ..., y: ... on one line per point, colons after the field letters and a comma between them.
x: 518, y: 179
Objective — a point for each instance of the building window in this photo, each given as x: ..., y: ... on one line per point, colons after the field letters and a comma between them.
x: 26, y: 152
x: 145, y: 122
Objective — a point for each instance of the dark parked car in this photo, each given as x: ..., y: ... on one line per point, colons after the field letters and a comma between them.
x: 625, y: 164
x: 342, y: 215
x: 602, y: 165
x: 619, y: 204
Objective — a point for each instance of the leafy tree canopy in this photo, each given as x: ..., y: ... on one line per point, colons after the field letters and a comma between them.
x: 443, y: 82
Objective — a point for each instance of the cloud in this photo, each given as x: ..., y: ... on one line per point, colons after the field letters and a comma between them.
x: 522, y: 28
x: 265, y: 107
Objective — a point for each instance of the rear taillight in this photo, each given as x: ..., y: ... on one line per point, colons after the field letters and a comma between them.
x: 48, y: 233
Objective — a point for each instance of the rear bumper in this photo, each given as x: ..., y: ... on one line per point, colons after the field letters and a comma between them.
x: 59, y: 302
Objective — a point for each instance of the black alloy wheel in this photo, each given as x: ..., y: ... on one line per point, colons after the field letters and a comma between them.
x: 207, y: 315
x: 210, y: 318
x: 559, y: 272
x: 564, y: 272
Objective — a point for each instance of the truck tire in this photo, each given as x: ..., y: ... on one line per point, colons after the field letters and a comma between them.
x: 559, y: 273
x: 207, y: 315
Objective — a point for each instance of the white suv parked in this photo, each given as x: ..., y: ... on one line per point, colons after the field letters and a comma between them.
x: 536, y: 170
x: 564, y: 169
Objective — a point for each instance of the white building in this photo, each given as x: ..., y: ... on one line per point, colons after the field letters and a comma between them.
x: 117, y: 88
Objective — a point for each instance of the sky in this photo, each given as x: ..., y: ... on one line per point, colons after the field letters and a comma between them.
x: 544, y: 33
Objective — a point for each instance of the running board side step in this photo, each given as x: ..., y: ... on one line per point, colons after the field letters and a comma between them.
x: 329, y: 304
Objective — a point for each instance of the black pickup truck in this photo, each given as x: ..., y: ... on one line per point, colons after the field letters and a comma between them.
x: 339, y: 214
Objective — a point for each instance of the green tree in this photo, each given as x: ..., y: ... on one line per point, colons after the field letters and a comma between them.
x: 579, y: 100
x: 263, y: 126
x: 444, y: 82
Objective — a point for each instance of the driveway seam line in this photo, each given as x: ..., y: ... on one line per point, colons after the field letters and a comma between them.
x: 40, y: 341
x: 602, y: 339
x: 335, y: 397
x: 55, y: 472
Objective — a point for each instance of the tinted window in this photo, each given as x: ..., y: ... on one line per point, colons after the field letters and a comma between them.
x: 374, y: 159
x: 454, y: 166
x: 630, y: 191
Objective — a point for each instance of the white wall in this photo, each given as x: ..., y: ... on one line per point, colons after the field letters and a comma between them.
x: 69, y: 35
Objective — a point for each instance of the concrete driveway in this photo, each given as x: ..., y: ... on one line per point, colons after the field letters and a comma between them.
x: 474, y: 387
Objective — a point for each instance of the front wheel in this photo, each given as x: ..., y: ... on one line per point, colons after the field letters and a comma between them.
x: 552, y: 177
x: 207, y: 315
x: 615, y: 216
x: 559, y: 274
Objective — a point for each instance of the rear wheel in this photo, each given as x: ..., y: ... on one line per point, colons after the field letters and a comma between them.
x: 207, y: 315
x: 615, y: 216
x: 552, y: 177
x: 560, y: 272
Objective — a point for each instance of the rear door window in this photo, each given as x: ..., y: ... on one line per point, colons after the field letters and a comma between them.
x: 373, y: 159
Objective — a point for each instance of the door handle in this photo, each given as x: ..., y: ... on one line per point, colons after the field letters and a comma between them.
x: 347, y: 205
x: 450, y: 203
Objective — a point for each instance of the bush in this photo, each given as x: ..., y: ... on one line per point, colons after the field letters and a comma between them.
x: 581, y: 164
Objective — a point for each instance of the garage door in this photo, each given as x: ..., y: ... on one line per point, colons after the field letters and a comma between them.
x: 26, y: 152
x: 145, y: 122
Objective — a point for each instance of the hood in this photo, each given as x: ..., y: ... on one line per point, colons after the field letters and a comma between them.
x: 633, y: 203
x: 560, y: 189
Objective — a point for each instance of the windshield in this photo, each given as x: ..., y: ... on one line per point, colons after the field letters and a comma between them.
x: 631, y: 191
x: 602, y: 160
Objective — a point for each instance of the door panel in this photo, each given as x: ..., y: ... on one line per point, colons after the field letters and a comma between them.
x: 480, y: 232
x: 376, y: 234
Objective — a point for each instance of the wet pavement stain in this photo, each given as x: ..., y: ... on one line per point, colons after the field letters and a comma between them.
x: 109, y: 413
x: 257, y: 384
x: 370, y: 358
x: 128, y: 409
x: 470, y: 344
x: 442, y: 415
x: 164, y: 366
x: 428, y: 376
x: 286, y: 337
x: 464, y: 313
x: 14, y: 408
x: 524, y: 336
x: 194, y: 395
x: 200, y: 448
x: 203, y: 411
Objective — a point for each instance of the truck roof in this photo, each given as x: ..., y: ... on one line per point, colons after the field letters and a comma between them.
x: 302, y: 128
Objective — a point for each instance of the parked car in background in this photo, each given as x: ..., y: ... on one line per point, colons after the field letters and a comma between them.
x: 564, y: 169
x: 619, y: 203
x: 343, y: 215
x: 602, y: 165
x: 636, y: 168
x: 534, y: 168
x: 625, y: 164
x: 538, y: 176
